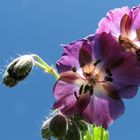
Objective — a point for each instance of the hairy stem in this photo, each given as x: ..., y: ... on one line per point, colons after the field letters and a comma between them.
x: 42, y: 64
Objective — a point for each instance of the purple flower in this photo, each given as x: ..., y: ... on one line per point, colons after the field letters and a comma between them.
x: 124, y: 24
x: 94, y: 76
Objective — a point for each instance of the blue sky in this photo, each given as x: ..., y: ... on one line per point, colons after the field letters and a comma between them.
x: 40, y: 26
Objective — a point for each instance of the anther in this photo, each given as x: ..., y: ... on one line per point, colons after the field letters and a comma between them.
x: 107, y: 78
x: 108, y: 72
x: 87, y: 74
x: 138, y: 52
x: 74, y: 69
x: 81, y: 89
x: 76, y: 95
x: 91, y: 90
x: 121, y: 40
x: 86, y: 88
x: 97, y: 62
x: 82, y: 65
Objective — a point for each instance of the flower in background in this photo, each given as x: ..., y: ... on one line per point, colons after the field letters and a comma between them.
x: 94, y: 76
x: 18, y: 70
x: 124, y: 24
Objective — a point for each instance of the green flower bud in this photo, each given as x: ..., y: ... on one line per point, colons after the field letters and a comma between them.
x: 45, y: 129
x: 18, y: 70
x: 8, y: 80
x: 82, y: 126
x: 58, y: 126
x: 73, y: 132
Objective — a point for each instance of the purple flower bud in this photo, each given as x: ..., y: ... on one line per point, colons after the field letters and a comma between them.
x: 18, y: 70
x: 58, y: 126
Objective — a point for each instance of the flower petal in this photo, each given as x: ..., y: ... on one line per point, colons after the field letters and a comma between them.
x: 102, y: 109
x: 126, y: 25
x: 111, y: 23
x: 106, y: 48
x: 127, y: 91
x: 62, y: 89
x: 72, y: 77
x: 68, y: 99
x: 136, y: 17
x: 65, y: 98
x: 128, y: 72
x: 75, y: 54
x: 85, y: 54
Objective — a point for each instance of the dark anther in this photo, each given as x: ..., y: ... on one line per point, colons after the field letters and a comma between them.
x: 87, y: 74
x: 138, y: 58
x: 76, y: 95
x: 98, y: 61
x: 138, y: 52
x: 82, y: 65
x: 74, y: 69
x: 108, y: 72
x: 121, y: 40
x: 87, y: 87
x: 81, y: 89
x: 91, y: 90
x: 108, y: 79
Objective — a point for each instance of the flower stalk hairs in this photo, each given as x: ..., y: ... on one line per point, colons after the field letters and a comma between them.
x: 94, y: 75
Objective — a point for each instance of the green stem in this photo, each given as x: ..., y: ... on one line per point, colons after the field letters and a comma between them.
x: 102, y: 134
x: 42, y: 64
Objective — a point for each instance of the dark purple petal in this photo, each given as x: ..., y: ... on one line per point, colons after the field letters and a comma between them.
x: 106, y: 49
x: 102, y: 109
x: 68, y: 99
x: 72, y: 78
x: 85, y: 54
x: 62, y: 89
x: 74, y: 55
x: 111, y: 90
x: 65, y: 98
x: 127, y: 91
x: 73, y: 107
x: 128, y: 72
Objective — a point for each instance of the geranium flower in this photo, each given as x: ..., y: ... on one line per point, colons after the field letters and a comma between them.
x: 124, y: 24
x: 94, y: 76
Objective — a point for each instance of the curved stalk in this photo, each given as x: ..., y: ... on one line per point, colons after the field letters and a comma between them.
x: 42, y: 64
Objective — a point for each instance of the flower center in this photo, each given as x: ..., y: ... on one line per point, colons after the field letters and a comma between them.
x: 93, y: 75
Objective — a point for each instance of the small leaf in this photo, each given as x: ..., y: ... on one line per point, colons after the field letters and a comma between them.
x: 106, y: 135
x: 100, y: 133
x: 88, y: 136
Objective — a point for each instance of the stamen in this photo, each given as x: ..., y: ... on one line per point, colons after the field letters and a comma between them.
x: 82, y: 65
x: 81, y: 89
x: 76, y: 95
x: 97, y: 62
x: 87, y: 74
x: 121, y: 39
x: 107, y: 78
x: 74, y: 69
x: 127, y: 43
x: 108, y: 72
x: 138, y: 52
x: 91, y: 90
x: 87, y: 87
